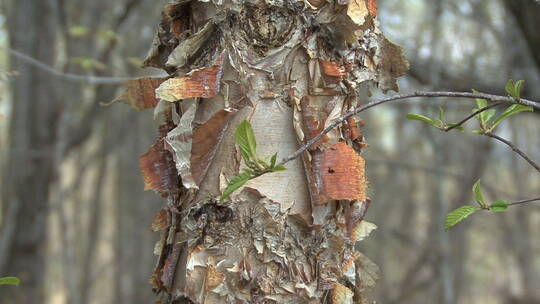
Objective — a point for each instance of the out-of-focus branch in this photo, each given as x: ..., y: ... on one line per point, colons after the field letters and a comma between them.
x: 515, y: 149
x: 524, y: 201
x: 66, y: 76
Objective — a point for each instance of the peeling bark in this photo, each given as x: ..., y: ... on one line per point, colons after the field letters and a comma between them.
x: 140, y: 93
x: 158, y: 168
x: 290, y: 68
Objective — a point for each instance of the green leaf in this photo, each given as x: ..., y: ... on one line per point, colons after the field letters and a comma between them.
x: 514, y: 88
x: 484, y: 116
x: 480, y: 103
x: 245, y: 138
x: 478, y: 195
x: 10, y: 281
x: 273, y: 160
x: 517, y: 88
x: 279, y: 168
x: 460, y: 128
x: 499, y: 206
x: 488, y: 114
x: 458, y: 215
x: 478, y: 131
x: 255, y: 165
x: 441, y: 113
x: 509, y: 88
x: 262, y: 163
x: 440, y: 118
x: 235, y: 183
x: 423, y: 118
x: 511, y: 110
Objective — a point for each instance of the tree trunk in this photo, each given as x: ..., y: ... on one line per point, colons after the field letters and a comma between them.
x: 29, y: 165
x: 526, y: 17
x: 290, y: 69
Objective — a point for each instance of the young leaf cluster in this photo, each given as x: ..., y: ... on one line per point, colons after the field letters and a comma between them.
x: 514, y: 88
x: 245, y: 139
x: 437, y: 122
x: 461, y: 213
x: 487, y: 118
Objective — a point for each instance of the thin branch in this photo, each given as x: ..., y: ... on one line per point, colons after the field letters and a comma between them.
x: 524, y: 201
x: 514, y: 148
x: 337, y: 122
x: 469, y: 117
x: 72, y: 77
x: 68, y: 76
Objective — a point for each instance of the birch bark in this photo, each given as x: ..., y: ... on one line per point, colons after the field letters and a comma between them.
x: 290, y: 68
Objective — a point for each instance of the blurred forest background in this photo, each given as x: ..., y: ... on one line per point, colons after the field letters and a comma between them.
x: 74, y: 218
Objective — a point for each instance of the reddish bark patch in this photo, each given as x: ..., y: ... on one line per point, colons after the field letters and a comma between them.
x: 355, y: 212
x: 169, y: 267
x: 177, y: 27
x: 177, y: 18
x: 313, y: 119
x: 203, y: 83
x: 161, y: 221
x: 206, y: 141
x: 140, y: 93
x: 372, y: 7
x: 325, y: 77
x: 338, y: 174
x: 158, y: 169
x: 331, y: 68
x: 155, y: 282
x: 352, y: 131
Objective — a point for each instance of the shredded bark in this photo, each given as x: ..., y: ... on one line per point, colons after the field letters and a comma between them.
x: 291, y: 68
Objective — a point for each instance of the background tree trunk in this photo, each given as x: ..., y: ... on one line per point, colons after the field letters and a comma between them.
x: 26, y: 193
x: 526, y: 17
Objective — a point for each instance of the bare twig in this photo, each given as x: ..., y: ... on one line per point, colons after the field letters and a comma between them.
x: 469, y: 117
x: 514, y: 148
x: 68, y: 76
x: 524, y: 201
x: 340, y: 120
